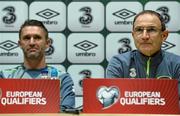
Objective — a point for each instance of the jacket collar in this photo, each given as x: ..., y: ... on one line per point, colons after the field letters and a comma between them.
x: 155, y: 59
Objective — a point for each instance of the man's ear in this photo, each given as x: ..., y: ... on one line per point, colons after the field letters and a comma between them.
x: 48, y: 42
x: 132, y: 33
x: 165, y: 35
x: 19, y: 43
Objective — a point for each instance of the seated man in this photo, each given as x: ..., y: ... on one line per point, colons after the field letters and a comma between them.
x: 34, y: 40
x: 149, y: 60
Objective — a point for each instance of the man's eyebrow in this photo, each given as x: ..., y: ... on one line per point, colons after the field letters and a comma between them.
x: 147, y: 26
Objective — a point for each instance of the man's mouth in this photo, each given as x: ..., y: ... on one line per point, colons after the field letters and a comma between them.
x: 32, y: 50
x: 146, y: 44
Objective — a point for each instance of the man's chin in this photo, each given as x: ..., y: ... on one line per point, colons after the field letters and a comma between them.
x: 146, y: 52
x: 32, y: 56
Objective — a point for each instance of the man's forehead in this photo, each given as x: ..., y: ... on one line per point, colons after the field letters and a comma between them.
x: 147, y: 16
x: 147, y: 19
x: 33, y: 29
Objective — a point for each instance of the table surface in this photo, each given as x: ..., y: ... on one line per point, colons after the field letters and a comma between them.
x: 82, y: 114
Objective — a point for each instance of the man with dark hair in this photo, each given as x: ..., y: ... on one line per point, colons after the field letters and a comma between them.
x: 149, y: 60
x: 34, y: 40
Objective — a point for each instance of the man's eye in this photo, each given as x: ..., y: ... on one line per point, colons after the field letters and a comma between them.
x: 139, y: 30
x: 37, y: 37
x: 26, y: 38
x: 151, y: 30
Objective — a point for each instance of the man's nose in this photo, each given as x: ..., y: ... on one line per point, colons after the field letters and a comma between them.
x: 32, y: 40
x: 145, y: 34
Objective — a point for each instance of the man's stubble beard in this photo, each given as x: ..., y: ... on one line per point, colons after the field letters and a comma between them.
x: 34, y: 56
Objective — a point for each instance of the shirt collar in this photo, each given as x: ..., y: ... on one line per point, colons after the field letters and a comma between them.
x: 40, y: 69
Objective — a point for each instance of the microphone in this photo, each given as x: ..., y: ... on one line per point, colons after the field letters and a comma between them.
x: 72, y: 111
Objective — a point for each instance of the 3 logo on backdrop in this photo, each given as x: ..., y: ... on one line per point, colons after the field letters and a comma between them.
x: 164, y: 12
x: 87, y: 18
x: 86, y: 74
x: 10, y: 16
x: 125, y: 45
x: 51, y: 49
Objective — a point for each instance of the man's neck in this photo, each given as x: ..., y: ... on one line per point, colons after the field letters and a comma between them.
x: 152, y: 55
x: 34, y: 64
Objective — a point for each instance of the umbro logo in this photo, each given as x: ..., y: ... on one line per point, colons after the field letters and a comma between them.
x: 167, y: 45
x: 85, y: 45
x: 47, y: 13
x: 124, y: 14
x: 8, y: 45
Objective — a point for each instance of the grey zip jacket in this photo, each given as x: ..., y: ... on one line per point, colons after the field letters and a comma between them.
x: 133, y: 64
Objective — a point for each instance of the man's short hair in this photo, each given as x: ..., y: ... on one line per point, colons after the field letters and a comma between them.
x: 33, y: 22
x: 163, y: 26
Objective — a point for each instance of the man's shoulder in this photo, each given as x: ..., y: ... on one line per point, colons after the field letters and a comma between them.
x: 171, y: 57
x: 64, y: 76
x: 57, y: 72
x: 123, y: 59
x: 123, y: 55
x: 54, y: 69
x: 9, y: 71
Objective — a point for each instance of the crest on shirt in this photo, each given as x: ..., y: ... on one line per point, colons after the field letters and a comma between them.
x: 132, y: 72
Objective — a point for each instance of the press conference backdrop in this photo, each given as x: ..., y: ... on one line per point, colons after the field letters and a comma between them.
x: 85, y: 34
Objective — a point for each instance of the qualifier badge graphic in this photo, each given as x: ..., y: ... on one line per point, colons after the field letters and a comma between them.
x: 108, y: 95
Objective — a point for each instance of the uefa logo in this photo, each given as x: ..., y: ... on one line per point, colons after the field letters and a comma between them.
x: 108, y: 95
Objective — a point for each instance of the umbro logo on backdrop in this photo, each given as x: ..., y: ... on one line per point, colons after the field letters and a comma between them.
x: 47, y: 13
x: 8, y: 45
